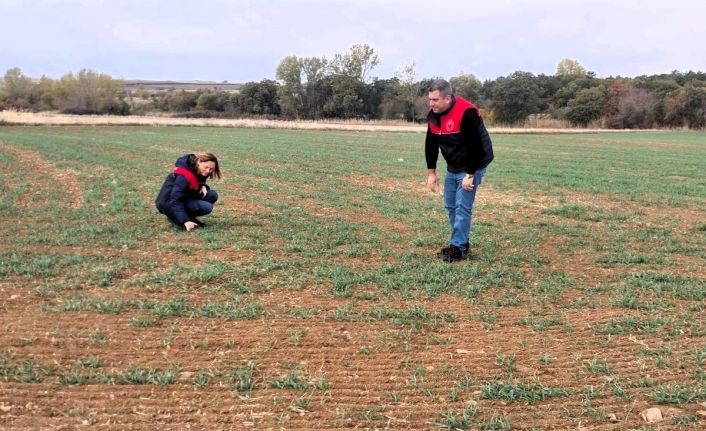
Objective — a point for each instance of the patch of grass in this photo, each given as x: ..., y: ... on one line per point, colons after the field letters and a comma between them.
x: 461, y: 420
x: 300, y: 404
x: 241, y: 378
x: 512, y: 390
x: 631, y: 325
x: 296, y: 336
x: 302, y: 312
x: 211, y: 270
x: 142, y: 376
x: 75, y: 378
x: 232, y: 310
x: 542, y: 324
x: 614, y: 259
x: 676, y: 286
x: 175, y: 307
x: 506, y: 363
x: 91, y: 362
x: 497, y: 422
x: 685, y: 419
x: 202, y: 377
x: 678, y: 394
x: 293, y: 380
x: 28, y: 371
x: 618, y: 388
x: 108, y: 306
x: 99, y: 336
x: 169, y: 335
x: 322, y: 384
x: 415, y: 317
x: 489, y: 319
x: 583, y: 213
x: 460, y: 385
x: 418, y: 381
x: 597, y: 365
x: 144, y: 321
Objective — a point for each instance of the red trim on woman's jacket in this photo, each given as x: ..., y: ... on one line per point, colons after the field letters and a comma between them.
x: 190, y: 177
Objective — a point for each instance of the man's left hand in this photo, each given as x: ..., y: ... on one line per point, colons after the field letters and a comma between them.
x: 467, y: 183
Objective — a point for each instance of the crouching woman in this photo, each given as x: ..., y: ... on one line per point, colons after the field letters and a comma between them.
x: 185, y: 194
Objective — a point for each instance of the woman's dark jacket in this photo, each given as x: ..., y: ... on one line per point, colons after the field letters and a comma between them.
x: 183, y: 183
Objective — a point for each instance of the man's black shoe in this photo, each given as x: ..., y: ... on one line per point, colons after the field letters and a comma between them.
x: 455, y: 254
x: 443, y: 252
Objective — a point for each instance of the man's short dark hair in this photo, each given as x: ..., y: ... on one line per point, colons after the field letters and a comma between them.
x: 442, y: 86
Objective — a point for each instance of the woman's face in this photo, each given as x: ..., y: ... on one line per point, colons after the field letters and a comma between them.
x: 205, y: 168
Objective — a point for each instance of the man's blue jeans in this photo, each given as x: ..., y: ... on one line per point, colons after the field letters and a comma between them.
x: 459, y: 205
x: 200, y: 207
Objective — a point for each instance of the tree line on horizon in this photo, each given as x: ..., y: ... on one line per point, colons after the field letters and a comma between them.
x: 316, y: 88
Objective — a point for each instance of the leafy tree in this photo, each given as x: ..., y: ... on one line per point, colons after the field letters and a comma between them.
x: 467, y: 86
x: 632, y: 108
x: 42, y: 94
x: 357, y: 63
x: 549, y: 86
x: 588, y: 105
x: 344, y: 99
x: 290, y: 91
x: 695, y: 106
x: 686, y: 107
x: 16, y: 89
x: 213, y: 100
x: 617, y: 90
x: 177, y: 101
x: 314, y: 69
x: 89, y: 92
x: 392, y: 104
x: 259, y: 98
x: 571, y: 68
x: 515, y: 98
x: 674, y: 110
x: 408, y: 92
x: 660, y: 86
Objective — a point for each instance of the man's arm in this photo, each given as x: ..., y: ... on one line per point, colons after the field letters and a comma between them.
x: 431, y: 153
x: 477, y: 137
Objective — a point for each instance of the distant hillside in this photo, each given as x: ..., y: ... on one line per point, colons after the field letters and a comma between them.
x: 164, y: 86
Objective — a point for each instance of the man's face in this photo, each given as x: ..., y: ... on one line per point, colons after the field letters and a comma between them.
x: 439, y: 103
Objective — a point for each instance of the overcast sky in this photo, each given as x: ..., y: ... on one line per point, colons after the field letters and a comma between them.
x: 244, y: 40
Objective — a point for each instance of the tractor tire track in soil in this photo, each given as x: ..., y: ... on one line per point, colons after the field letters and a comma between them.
x: 47, y: 180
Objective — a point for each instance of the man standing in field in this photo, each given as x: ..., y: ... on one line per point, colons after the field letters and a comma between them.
x: 456, y: 128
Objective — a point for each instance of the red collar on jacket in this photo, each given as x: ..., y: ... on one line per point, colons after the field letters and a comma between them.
x: 449, y: 121
x: 190, y: 177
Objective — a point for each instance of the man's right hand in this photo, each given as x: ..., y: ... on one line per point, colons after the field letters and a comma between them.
x: 432, y: 181
x: 189, y: 226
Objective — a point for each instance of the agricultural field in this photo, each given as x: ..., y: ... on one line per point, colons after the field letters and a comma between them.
x: 313, y: 299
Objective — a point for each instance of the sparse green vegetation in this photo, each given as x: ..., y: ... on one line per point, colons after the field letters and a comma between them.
x: 314, y: 292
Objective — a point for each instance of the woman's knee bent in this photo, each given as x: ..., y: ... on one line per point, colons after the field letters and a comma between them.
x: 211, y: 196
